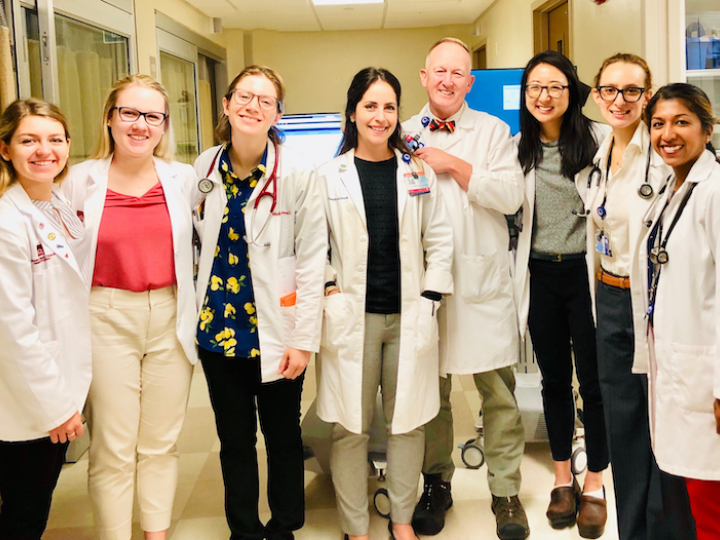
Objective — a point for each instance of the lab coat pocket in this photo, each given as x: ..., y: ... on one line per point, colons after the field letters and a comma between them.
x: 479, y: 277
x: 692, y: 369
x: 426, y: 329
x: 51, y: 304
x: 333, y: 326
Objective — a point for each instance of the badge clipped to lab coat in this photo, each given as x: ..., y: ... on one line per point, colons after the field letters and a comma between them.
x: 602, y: 243
x: 417, y: 184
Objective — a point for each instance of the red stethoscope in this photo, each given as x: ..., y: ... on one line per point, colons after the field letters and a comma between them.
x: 268, y: 190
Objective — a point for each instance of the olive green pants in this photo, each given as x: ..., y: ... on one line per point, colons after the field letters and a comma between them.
x: 504, y: 433
x: 349, y: 456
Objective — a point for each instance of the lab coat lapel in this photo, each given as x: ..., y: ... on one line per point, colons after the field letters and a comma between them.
x: 170, y: 185
x: 402, y: 190
x: 256, y: 218
x: 350, y: 179
x: 95, y: 200
x: 53, y: 240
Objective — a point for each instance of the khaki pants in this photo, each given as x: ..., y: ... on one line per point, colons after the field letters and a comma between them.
x: 504, y: 432
x: 136, y: 408
x: 349, y: 457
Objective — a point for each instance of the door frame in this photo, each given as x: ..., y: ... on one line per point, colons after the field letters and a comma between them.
x: 541, y: 9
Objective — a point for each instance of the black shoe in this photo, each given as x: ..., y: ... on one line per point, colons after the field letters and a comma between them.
x: 429, y: 516
x: 512, y: 522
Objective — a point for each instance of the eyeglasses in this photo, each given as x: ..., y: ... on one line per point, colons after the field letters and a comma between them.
x: 631, y: 94
x: 127, y: 114
x: 243, y: 97
x: 534, y: 90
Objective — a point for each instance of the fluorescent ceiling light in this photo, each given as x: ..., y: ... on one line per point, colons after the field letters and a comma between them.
x: 345, y: 2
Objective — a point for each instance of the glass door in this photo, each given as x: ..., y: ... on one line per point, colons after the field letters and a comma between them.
x: 178, y: 74
x: 89, y: 60
x: 702, y: 50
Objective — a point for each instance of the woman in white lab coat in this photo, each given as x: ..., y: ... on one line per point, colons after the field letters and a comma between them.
x: 263, y: 241
x: 135, y: 202
x: 628, y: 176
x: 683, y: 301
x: 556, y: 146
x: 45, y: 366
x: 390, y: 263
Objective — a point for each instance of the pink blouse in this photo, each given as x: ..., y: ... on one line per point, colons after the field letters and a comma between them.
x: 135, y: 244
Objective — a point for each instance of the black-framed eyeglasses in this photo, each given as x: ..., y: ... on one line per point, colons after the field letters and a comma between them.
x: 128, y: 114
x: 243, y: 97
x: 554, y: 91
x: 631, y: 94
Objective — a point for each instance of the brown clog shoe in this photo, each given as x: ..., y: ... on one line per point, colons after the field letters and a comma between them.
x: 592, y: 516
x: 562, y: 510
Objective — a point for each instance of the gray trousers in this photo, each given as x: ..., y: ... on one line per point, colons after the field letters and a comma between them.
x: 349, y: 456
x: 504, y: 432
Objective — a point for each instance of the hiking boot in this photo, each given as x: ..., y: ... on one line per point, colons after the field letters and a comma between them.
x: 512, y: 523
x: 429, y: 516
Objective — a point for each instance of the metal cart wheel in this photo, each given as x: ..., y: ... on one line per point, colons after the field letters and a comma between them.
x: 381, y: 500
x: 578, y: 461
x: 472, y: 455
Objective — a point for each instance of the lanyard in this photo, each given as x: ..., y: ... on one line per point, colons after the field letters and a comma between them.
x: 658, y: 254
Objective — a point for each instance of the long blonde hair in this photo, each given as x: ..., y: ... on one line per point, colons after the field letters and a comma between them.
x: 165, y: 148
x: 9, y: 123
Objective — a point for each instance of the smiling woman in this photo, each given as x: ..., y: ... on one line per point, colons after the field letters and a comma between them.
x: 44, y: 326
x: 136, y: 202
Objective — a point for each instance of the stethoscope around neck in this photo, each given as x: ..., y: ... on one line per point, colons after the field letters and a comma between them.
x: 206, y: 186
x: 645, y: 191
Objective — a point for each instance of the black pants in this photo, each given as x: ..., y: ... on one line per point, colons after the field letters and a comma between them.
x: 561, y: 310
x: 236, y: 394
x: 651, y: 504
x: 29, y: 472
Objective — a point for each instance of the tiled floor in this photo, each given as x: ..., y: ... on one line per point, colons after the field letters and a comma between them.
x: 199, y: 513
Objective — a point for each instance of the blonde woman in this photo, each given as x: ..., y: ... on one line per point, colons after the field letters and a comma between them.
x: 44, y: 325
x: 135, y: 203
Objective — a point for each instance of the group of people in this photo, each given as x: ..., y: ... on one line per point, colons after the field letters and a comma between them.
x: 391, y: 262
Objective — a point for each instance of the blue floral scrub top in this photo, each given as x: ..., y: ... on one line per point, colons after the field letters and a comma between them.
x: 228, y: 319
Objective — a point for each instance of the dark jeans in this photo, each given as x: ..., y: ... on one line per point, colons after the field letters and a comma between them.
x: 651, y: 504
x: 236, y: 394
x: 29, y: 472
x: 561, y: 310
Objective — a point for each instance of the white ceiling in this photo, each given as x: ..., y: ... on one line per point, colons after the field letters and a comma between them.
x: 303, y: 16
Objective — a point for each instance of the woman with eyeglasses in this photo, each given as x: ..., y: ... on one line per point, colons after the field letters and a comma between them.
x: 556, y: 146
x: 628, y: 177
x: 261, y: 226
x: 135, y: 201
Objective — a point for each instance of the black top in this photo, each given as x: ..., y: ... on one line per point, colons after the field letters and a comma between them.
x: 379, y: 189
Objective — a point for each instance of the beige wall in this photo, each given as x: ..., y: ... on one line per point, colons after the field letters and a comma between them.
x: 318, y: 66
x: 180, y: 12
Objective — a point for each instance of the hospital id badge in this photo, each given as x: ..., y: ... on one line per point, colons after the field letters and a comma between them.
x: 602, y: 243
x: 417, y: 184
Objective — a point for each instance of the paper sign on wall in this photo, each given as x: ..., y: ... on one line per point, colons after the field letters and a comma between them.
x: 511, y: 97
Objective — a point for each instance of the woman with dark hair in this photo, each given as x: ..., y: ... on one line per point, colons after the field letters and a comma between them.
x: 556, y: 147
x: 259, y: 291
x: 389, y: 265
x: 681, y: 253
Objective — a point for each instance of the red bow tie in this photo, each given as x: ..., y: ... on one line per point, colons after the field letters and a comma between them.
x: 447, y: 126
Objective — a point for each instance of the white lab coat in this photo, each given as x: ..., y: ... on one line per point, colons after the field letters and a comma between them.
x: 425, y: 245
x: 478, y: 325
x: 86, y: 188
x: 45, y: 358
x: 522, y: 258
x: 639, y: 207
x: 685, y: 368
x: 294, y: 260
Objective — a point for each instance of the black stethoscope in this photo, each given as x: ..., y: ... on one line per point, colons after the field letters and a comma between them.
x: 206, y: 186
x: 645, y: 191
x: 658, y: 254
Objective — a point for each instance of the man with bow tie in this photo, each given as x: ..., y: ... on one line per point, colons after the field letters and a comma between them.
x: 478, y: 173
